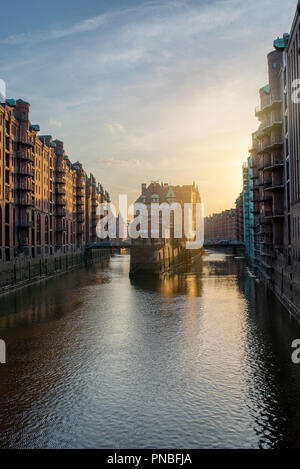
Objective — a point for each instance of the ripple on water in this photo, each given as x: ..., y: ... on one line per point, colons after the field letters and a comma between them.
x: 199, y: 359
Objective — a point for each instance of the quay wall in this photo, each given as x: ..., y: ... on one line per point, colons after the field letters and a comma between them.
x: 25, y: 271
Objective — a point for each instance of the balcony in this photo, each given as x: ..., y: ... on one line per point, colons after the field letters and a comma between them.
x: 60, y: 202
x: 23, y: 186
x: 24, y: 201
x: 261, y: 165
x: 25, y: 140
x: 273, y: 144
x: 60, y: 170
x: 271, y: 124
x: 275, y: 213
x: 60, y: 191
x: 60, y: 180
x: 266, y: 220
x: 265, y: 199
x: 24, y: 224
x: 27, y: 172
x: 269, y: 102
x: 267, y: 243
x: 25, y: 155
x: 274, y: 186
x: 274, y: 165
x: 60, y: 212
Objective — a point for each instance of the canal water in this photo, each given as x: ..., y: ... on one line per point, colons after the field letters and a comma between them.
x: 201, y: 359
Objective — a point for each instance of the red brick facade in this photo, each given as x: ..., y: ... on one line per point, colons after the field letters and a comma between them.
x: 47, y: 204
x: 221, y: 225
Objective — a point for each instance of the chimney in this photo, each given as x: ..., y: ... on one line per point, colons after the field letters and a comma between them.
x: 144, y: 188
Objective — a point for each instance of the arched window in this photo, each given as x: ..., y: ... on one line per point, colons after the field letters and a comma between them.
x: 46, y: 230
x: 38, y: 229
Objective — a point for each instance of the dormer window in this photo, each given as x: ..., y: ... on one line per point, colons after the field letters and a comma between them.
x: 155, y: 198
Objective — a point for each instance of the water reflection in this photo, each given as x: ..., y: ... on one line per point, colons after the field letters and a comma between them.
x: 50, y: 299
x: 273, y: 381
x: 196, y: 359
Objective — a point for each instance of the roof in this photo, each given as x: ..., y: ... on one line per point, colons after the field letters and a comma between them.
x: 35, y: 127
x: 170, y: 194
x: 11, y: 102
x: 281, y: 42
x: 182, y: 194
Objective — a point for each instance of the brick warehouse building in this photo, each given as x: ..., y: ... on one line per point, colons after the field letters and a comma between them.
x: 223, y: 225
x: 47, y: 204
x: 274, y: 172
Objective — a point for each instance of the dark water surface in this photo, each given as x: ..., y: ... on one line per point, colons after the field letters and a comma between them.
x: 197, y: 360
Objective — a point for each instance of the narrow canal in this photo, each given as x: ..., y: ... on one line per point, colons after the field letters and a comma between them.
x: 197, y: 360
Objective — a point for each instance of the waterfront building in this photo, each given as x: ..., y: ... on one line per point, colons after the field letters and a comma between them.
x: 47, y: 204
x: 289, y: 282
x: 221, y: 225
x: 239, y: 207
x: 157, y: 252
x: 275, y: 155
x: 248, y: 207
x: 268, y: 167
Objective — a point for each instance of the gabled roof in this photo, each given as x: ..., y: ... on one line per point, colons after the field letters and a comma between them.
x: 170, y: 194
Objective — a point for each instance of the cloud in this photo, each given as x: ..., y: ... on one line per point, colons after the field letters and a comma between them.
x: 159, y: 90
x: 55, y: 123
x: 80, y: 27
x: 116, y: 129
x: 114, y: 163
x: 172, y: 17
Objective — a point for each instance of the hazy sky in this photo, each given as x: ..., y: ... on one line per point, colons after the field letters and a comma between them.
x: 145, y: 90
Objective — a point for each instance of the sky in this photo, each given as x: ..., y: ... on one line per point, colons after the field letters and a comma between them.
x: 145, y: 90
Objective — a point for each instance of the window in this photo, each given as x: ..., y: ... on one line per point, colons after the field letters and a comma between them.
x: 39, y: 229
x: 46, y: 230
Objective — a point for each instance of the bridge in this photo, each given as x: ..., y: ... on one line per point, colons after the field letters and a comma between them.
x: 126, y: 243
x: 217, y: 242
